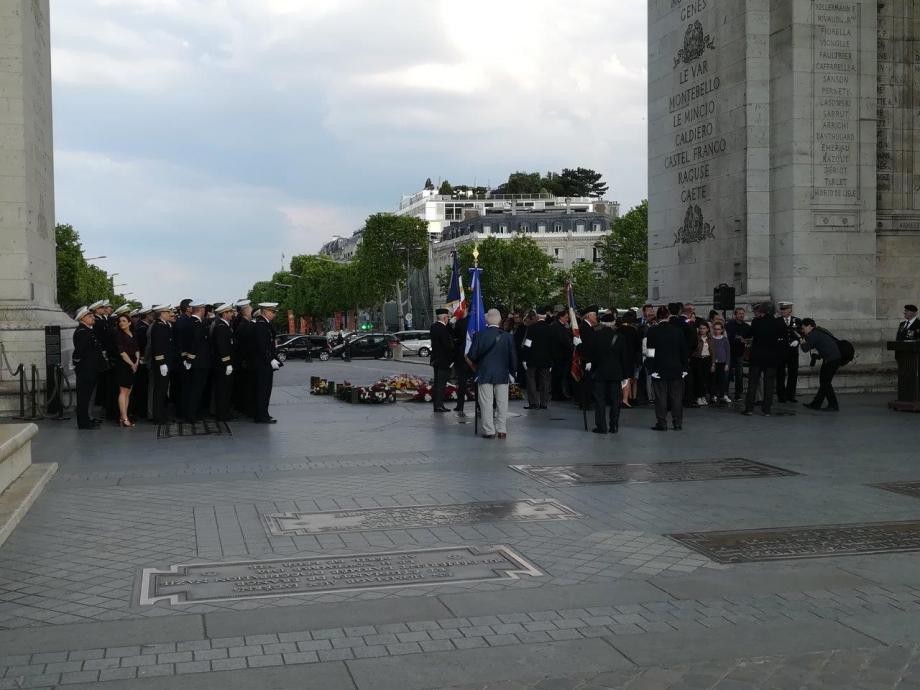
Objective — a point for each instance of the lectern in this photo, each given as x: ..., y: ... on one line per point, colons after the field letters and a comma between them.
x: 907, y: 355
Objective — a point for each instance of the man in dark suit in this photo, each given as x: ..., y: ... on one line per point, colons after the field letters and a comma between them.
x: 87, y: 360
x: 561, y: 345
x: 787, y: 370
x: 910, y: 326
x: 162, y: 357
x: 584, y: 344
x: 262, y: 361
x: 611, y: 366
x: 196, y: 361
x: 242, y: 377
x: 222, y: 362
x: 669, y: 358
x: 768, y: 345
x: 141, y: 387
x: 442, y: 357
x: 538, y: 346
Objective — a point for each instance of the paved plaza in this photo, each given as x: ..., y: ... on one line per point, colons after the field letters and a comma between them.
x: 615, y: 583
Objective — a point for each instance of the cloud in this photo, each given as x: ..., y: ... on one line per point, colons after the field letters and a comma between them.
x: 215, y: 118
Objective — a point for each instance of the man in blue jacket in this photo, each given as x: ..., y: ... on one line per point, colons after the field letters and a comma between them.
x: 493, y: 359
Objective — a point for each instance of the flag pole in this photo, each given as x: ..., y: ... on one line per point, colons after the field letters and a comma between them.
x: 476, y: 412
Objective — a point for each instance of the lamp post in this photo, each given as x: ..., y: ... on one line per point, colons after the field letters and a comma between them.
x: 96, y: 258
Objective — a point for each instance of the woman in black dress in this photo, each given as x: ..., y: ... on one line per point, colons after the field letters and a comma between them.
x: 125, y: 366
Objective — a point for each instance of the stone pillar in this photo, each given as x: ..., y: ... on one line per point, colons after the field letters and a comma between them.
x: 28, y: 280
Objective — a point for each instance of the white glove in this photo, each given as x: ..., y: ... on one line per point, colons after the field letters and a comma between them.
x: 624, y: 383
x: 276, y: 365
x: 229, y: 369
x: 577, y: 341
x: 187, y: 365
x: 588, y: 366
x: 164, y: 370
x: 656, y: 375
x: 794, y: 343
x: 684, y: 375
x: 524, y: 365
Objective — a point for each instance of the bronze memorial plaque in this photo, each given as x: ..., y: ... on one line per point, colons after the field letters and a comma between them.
x: 205, y: 427
x: 907, y: 488
x: 408, y: 517
x: 678, y: 471
x: 202, y: 582
x: 814, y: 541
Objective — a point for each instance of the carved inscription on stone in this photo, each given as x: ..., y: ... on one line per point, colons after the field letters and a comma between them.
x: 836, y: 102
x: 408, y: 517
x: 814, y: 541
x: 199, y: 582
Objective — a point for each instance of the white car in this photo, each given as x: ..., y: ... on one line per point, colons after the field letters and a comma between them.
x: 415, y: 342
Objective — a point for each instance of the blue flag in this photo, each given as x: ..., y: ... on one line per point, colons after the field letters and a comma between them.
x: 477, y: 320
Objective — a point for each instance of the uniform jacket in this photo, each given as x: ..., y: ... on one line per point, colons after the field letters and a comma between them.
x: 768, y: 341
x: 87, y: 352
x: 458, y: 335
x: 610, y: 355
x: 197, y: 348
x: 560, y: 341
x: 181, y: 328
x: 909, y: 328
x: 104, y: 335
x: 162, y: 345
x: 672, y: 353
x: 540, y: 352
x: 141, y: 332
x: 737, y: 332
x: 262, y: 344
x: 242, y: 341
x: 791, y: 333
x: 587, y: 333
x: 221, y: 344
x: 493, y: 354
x: 442, y: 346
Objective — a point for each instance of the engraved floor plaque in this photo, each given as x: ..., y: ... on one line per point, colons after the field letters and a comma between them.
x: 201, y: 582
x: 206, y: 427
x: 911, y: 489
x: 815, y: 541
x: 408, y: 517
x: 679, y: 471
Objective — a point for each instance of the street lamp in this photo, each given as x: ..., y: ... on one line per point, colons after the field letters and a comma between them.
x: 96, y: 258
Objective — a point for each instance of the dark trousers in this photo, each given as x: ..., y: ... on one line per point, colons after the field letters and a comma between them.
x: 560, y: 379
x: 826, y: 385
x: 176, y: 387
x: 193, y: 387
x: 137, y: 405
x: 262, y: 392
x: 85, y: 386
x: 787, y: 376
x: 769, y: 380
x: 718, y: 381
x: 737, y: 370
x: 223, y: 392
x: 669, y: 394
x: 160, y: 389
x: 700, y: 370
x: 440, y: 383
x: 607, y: 393
x: 242, y: 389
x: 463, y: 379
x: 106, y: 393
x: 539, y: 386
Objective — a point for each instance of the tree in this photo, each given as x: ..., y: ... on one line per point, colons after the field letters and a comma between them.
x: 516, y: 273
x: 581, y: 182
x: 624, y: 257
x: 429, y: 185
x: 390, y: 246
x: 79, y: 282
x: 445, y: 189
x: 591, y: 284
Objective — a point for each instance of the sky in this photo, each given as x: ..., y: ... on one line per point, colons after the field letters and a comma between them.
x: 198, y: 141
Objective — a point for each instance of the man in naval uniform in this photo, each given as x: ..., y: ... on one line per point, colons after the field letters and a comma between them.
x: 222, y: 362
x: 262, y: 361
x: 88, y: 359
x: 909, y: 329
x: 162, y: 355
x: 787, y: 372
x: 196, y: 360
x: 242, y: 340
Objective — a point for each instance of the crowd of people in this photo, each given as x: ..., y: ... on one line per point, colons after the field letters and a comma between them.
x: 668, y: 356
x: 185, y: 363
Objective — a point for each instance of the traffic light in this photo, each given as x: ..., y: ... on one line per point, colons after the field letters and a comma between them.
x: 366, y: 326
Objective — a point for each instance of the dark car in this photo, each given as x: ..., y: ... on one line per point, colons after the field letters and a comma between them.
x: 375, y: 345
x: 306, y: 346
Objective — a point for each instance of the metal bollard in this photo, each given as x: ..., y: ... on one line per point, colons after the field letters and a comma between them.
x: 22, y: 392
x: 34, y: 391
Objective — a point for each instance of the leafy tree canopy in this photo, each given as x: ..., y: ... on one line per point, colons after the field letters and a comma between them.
x: 78, y: 282
x: 624, y: 257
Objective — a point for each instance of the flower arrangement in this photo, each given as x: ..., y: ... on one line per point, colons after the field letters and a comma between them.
x: 320, y: 386
x: 377, y: 394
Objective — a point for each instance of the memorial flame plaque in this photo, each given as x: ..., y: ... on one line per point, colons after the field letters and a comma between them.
x: 202, y: 582
x: 408, y: 517
x: 679, y: 471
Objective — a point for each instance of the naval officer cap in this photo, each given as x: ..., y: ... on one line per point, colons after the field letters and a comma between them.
x: 197, y: 305
x: 81, y: 312
x: 96, y: 305
x: 441, y: 311
x: 222, y: 308
x: 123, y: 309
x: 239, y: 304
x: 160, y: 308
x: 786, y: 305
x: 268, y: 305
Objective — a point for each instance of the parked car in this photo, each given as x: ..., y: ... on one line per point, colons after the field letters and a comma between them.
x: 374, y: 345
x: 305, y: 346
x: 415, y: 342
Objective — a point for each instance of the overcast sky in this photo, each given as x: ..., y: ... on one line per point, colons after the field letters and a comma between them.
x: 197, y: 140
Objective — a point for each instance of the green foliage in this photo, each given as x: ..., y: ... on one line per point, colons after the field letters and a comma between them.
x: 591, y: 285
x: 516, y: 273
x: 78, y: 282
x: 624, y: 257
x: 388, y: 243
x: 580, y: 182
x: 445, y: 188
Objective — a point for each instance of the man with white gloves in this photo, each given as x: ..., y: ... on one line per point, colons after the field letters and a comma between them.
x: 163, y: 352
x: 221, y: 358
x: 262, y: 361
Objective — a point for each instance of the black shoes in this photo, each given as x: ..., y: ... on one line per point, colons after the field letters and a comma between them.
x: 748, y: 413
x: 531, y: 407
x: 441, y: 409
x: 268, y: 420
x: 811, y: 406
x: 678, y: 427
x: 659, y: 427
x: 830, y: 409
x: 599, y: 431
